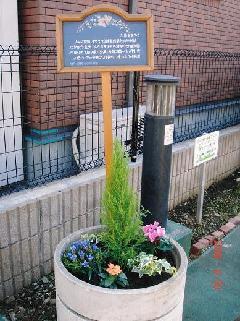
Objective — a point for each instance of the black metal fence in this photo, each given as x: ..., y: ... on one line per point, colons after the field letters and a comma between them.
x: 51, y: 124
x: 208, y: 97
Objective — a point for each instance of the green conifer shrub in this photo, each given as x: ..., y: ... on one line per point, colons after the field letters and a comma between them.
x: 120, y: 211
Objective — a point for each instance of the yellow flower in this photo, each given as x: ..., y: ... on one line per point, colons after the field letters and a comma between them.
x: 113, y: 269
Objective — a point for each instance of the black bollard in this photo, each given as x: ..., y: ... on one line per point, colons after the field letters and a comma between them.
x: 157, y: 146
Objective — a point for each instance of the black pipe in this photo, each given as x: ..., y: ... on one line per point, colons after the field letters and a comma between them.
x: 132, y: 85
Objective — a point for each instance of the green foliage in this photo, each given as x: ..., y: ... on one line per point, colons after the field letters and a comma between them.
x: 165, y: 244
x: 120, y: 211
x: 102, y: 259
x: 83, y: 257
x: 113, y: 281
x: 148, y: 264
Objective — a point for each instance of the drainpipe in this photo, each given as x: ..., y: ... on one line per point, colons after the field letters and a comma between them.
x: 132, y: 6
x: 132, y: 86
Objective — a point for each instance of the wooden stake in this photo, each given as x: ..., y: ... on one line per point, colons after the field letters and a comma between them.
x: 107, y: 118
x: 201, y: 185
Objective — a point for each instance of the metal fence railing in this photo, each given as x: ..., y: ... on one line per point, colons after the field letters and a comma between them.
x: 51, y: 124
x: 208, y: 97
x: 193, y: 121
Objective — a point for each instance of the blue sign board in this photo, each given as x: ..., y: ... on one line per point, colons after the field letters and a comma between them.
x: 103, y: 39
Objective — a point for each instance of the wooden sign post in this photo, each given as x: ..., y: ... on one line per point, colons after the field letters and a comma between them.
x: 107, y: 117
x: 105, y: 39
x: 205, y: 149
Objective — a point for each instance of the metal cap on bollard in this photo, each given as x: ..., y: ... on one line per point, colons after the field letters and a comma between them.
x: 161, y: 94
x: 157, y: 147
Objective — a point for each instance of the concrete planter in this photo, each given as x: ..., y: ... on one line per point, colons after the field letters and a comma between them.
x: 78, y: 300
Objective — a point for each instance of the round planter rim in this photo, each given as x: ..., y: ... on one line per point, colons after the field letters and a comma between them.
x: 70, y: 238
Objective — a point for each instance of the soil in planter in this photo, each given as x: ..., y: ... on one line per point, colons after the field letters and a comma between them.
x: 133, y: 278
x: 145, y: 281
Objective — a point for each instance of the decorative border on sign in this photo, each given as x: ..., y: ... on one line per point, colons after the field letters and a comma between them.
x: 104, y: 21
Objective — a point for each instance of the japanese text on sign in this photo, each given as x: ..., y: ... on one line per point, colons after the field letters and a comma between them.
x: 206, y: 148
x: 104, y: 39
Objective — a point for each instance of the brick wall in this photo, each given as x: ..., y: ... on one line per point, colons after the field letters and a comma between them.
x: 189, y: 24
x: 37, y: 17
x: 50, y: 99
x: 193, y: 24
x: 54, y: 100
x: 203, y: 79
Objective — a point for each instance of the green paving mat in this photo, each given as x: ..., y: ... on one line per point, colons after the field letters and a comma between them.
x: 203, y: 302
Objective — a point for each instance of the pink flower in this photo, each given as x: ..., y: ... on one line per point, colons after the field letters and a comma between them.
x: 153, y: 231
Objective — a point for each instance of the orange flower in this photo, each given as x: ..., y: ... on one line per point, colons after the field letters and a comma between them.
x: 113, y: 269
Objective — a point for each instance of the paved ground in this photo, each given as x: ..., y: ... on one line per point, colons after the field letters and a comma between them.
x: 213, y: 283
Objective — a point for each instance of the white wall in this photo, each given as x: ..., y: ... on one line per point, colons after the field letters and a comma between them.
x: 11, y: 160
